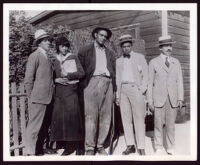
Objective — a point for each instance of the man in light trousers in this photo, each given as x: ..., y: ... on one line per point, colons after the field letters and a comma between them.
x: 165, y: 94
x: 39, y: 87
x: 131, y: 79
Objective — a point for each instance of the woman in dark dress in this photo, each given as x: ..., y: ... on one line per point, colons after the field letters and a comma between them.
x: 66, y: 127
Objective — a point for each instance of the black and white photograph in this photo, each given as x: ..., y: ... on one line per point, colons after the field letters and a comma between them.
x: 100, y: 82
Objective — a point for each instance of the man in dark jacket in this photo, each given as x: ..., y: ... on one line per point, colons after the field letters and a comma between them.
x: 98, y: 86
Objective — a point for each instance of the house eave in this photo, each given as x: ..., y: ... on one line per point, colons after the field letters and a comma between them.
x: 39, y: 17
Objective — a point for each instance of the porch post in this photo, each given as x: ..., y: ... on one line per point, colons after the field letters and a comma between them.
x: 164, y: 23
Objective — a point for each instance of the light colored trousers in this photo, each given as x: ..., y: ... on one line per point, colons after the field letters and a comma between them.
x: 132, y: 106
x: 98, y: 99
x: 36, y: 116
x: 165, y: 115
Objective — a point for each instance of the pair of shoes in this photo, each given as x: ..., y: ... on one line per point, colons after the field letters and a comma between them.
x: 79, y: 151
x: 171, y: 151
x: 67, y: 152
x: 30, y: 155
x: 50, y: 151
x: 89, y: 152
x: 101, y: 151
x: 141, y: 152
x: 41, y: 153
x: 159, y: 151
x: 129, y: 149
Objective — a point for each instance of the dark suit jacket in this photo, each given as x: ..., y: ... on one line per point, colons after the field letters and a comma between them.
x: 87, y: 58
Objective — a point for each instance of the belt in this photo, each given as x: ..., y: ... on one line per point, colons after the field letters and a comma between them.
x: 101, y: 75
x: 128, y: 82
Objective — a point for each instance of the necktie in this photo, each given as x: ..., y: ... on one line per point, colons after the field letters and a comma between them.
x: 167, y: 62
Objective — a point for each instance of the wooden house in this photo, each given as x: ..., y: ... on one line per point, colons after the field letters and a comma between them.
x: 145, y: 25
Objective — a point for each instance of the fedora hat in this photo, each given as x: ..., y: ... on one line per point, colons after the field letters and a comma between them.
x: 165, y: 40
x: 40, y: 34
x: 125, y: 38
x: 97, y: 29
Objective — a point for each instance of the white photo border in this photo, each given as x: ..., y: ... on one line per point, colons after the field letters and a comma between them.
x: 192, y: 7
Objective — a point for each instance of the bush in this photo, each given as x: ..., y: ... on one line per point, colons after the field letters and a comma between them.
x: 22, y: 36
x: 20, y: 44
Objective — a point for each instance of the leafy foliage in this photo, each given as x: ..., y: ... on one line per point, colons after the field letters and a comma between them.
x: 20, y: 44
x: 22, y: 35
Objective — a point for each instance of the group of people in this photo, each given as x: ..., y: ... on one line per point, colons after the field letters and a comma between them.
x: 73, y: 95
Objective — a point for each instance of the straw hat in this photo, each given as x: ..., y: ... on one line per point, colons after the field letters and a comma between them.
x: 40, y: 34
x: 125, y: 38
x: 165, y: 40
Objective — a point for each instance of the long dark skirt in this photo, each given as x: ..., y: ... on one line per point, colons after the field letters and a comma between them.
x: 66, y: 118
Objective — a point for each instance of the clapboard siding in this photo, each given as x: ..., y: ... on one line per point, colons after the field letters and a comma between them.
x: 180, y: 38
x: 151, y: 38
x: 178, y: 27
x: 178, y: 24
x: 182, y: 59
x: 150, y: 23
x: 150, y: 31
x: 187, y: 98
x: 186, y: 87
x: 187, y: 93
x: 116, y: 20
x: 91, y: 18
x: 181, y: 52
x: 65, y: 16
x: 185, y: 66
x: 175, y: 30
x: 180, y: 45
x: 153, y: 44
x: 178, y: 17
x: 176, y: 51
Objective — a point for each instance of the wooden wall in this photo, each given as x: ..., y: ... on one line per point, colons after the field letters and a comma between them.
x: 150, y: 31
x: 150, y: 23
x: 84, y: 19
x: 178, y: 27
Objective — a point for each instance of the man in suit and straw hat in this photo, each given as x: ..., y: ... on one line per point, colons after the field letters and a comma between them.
x: 98, y: 86
x: 132, y: 79
x: 39, y: 87
x: 165, y: 94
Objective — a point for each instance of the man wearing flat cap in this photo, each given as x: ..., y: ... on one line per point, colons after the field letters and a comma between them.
x: 132, y: 79
x: 165, y: 94
x: 39, y: 87
x: 98, y: 87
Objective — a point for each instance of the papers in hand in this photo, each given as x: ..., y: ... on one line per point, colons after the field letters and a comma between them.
x: 65, y: 81
x: 68, y: 66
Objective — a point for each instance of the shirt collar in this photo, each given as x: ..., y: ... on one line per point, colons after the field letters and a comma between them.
x: 42, y: 50
x: 164, y: 57
x: 98, y: 47
x: 62, y: 58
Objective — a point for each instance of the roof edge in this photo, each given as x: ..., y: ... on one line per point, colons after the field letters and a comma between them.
x: 40, y: 16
